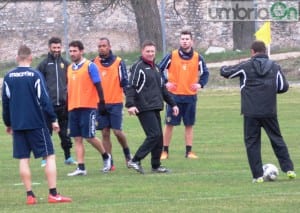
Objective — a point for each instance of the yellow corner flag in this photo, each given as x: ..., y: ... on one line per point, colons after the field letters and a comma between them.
x: 264, y: 33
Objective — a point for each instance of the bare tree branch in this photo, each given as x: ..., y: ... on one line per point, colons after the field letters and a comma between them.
x: 4, y: 5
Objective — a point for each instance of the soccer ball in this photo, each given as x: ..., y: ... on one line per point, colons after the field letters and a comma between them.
x: 270, y: 172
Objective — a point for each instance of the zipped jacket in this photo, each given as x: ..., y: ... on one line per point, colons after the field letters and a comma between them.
x: 260, y: 81
x: 54, y: 71
x: 146, y: 89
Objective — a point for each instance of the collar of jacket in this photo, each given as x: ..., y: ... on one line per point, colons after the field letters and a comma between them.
x: 107, y: 61
x: 151, y: 63
x: 260, y: 55
x: 186, y: 55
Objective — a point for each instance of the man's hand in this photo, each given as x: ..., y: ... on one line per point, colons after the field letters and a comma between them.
x: 9, y: 130
x: 55, y: 127
x: 101, y: 108
x: 195, y: 87
x: 175, y: 110
x: 171, y: 86
x: 133, y: 110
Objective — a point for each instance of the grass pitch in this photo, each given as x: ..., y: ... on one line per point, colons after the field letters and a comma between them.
x: 219, y: 181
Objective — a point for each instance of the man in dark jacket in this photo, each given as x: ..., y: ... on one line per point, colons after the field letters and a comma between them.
x: 25, y: 102
x: 54, y: 70
x: 144, y: 98
x: 260, y: 81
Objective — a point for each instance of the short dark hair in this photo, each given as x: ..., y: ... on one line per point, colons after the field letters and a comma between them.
x: 105, y: 39
x: 24, y: 52
x: 76, y: 43
x: 186, y: 32
x: 148, y: 43
x: 258, y: 47
x: 54, y: 40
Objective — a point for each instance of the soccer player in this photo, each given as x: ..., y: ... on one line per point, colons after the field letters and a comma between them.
x: 144, y: 98
x: 84, y: 94
x: 54, y: 69
x: 260, y: 81
x: 185, y: 73
x: 114, y: 80
x: 25, y: 102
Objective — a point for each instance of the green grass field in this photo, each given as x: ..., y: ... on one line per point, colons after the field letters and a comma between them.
x: 219, y: 181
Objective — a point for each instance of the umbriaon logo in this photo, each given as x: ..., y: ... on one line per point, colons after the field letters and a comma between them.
x: 252, y: 10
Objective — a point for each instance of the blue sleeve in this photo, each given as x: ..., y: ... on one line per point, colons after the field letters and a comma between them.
x: 204, y: 73
x: 94, y: 73
x: 123, y: 74
x: 5, y: 105
x: 163, y: 65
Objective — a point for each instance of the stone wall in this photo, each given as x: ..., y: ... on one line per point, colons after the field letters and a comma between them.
x: 34, y: 22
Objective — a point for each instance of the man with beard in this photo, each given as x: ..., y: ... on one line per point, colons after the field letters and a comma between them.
x: 54, y: 70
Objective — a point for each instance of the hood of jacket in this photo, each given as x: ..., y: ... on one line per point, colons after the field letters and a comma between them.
x: 261, y: 64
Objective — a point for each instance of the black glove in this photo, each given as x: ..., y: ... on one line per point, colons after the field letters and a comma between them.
x: 101, y: 108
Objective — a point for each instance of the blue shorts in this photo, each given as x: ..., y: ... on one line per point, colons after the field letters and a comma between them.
x: 187, y: 112
x: 36, y: 140
x: 113, y: 118
x: 82, y: 123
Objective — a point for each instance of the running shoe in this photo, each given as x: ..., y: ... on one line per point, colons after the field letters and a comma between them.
x: 58, y: 199
x: 77, y: 172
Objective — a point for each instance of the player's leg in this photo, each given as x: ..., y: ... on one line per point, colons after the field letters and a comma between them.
x: 116, y: 119
x: 65, y: 140
x: 189, y: 116
x: 21, y: 151
x: 279, y: 146
x: 252, y: 138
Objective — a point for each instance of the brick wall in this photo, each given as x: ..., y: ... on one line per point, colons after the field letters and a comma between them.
x: 34, y: 22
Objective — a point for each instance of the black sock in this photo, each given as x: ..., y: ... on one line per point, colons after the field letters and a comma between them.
x: 30, y: 193
x: 188, y: 149
x: 67, y: 154
x: 112, y: 160
x: 126, y: 152
x: 81, y: 166
x: 166, y: 149
x: 53, y: 191
x: 105, y: 156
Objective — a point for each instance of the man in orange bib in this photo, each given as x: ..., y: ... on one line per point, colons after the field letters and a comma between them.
x: 84, y: 95
x: 185, y: 73
x: 114, y: 82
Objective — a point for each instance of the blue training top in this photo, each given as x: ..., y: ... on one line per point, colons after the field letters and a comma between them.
x: 25, y: 100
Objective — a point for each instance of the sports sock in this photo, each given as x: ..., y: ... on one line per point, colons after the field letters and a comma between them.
x: 166, y: 149
x: 188, y: 149
x: 53, y: 191
x: 81, y: 166
x: 30, y: 193
x: 105, y: 156
x: 67, y: 154
x: 126, y: 152
x: 112, y: 160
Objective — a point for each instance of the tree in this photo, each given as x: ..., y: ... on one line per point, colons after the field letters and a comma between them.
x: 243, y: 34
x: 243, y: 31
x: 147, y: 18
x: 148, y: 21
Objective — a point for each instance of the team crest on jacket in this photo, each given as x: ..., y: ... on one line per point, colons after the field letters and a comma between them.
x: 62, y: 65
x: 168, y: 119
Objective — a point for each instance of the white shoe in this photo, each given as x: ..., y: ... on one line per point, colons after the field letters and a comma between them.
x: 107, y: 164
x: 77, y: 172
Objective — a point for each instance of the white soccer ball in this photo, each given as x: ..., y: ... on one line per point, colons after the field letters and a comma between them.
x: 270, y: 172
